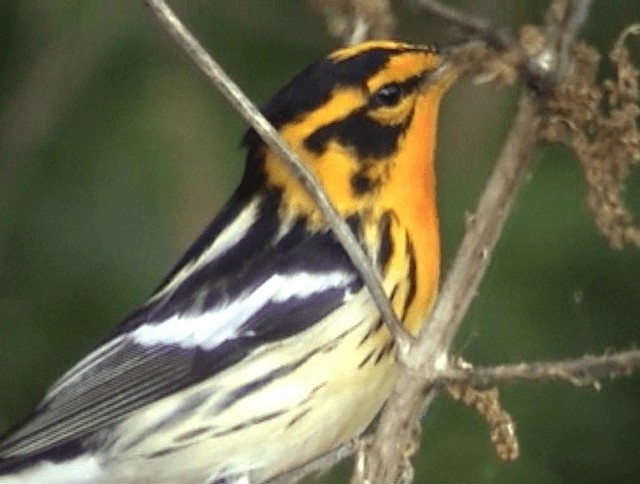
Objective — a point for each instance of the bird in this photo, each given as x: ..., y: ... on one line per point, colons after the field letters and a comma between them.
x: 262, y: 349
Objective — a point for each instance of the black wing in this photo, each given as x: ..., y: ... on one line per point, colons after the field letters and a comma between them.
x: 247, y: 280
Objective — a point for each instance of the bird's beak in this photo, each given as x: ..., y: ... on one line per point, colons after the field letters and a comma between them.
x: 443, y: 77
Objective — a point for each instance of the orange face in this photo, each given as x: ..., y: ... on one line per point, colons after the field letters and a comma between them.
x: 371, y: 145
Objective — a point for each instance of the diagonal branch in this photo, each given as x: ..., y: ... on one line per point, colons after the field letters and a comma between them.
x: 254, y: 117
x: 405, y: 405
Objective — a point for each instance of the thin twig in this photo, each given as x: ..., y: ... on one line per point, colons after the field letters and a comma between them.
x: 574, y: 16
x: 541, y: 72
x: 267, y: 132
x: 469, y: 24
x: 584, y: 371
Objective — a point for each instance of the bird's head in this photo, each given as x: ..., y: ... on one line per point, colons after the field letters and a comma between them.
x: 363, y: 119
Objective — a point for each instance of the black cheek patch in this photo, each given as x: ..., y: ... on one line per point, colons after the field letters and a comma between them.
x: 368, y: 138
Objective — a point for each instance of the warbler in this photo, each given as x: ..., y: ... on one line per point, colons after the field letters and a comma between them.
x: 262, y: 349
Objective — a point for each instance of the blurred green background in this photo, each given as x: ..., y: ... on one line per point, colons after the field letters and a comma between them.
x: 115, y: 152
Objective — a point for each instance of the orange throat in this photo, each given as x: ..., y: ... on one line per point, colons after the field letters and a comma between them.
x: 411, y: 194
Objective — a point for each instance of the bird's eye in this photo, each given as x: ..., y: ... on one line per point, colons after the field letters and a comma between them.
x: 388, y: 95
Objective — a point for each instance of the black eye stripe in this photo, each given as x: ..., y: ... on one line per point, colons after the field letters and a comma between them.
x: 370, y: 139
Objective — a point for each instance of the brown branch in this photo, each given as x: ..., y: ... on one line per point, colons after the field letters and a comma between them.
x: 387, y: 455
x: 267, y: 132
x: 584, y: 371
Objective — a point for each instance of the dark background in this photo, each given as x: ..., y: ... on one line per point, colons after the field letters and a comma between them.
x: 115, y: 152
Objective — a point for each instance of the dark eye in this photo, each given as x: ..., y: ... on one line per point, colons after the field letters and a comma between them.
x: 388, y: 95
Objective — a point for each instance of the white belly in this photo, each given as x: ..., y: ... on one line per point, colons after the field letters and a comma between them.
x: 328, y: 385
